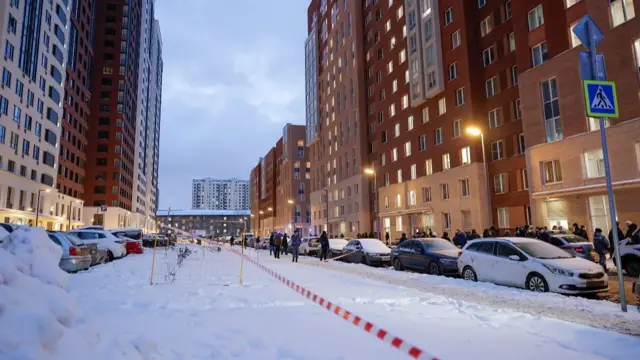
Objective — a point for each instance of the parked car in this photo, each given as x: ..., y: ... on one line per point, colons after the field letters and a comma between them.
x: 98, y: 256
x: 3, y: 234
x: 105, y: 240
x: 133, y: 238
x: 630, y: 256
x: 336, y: 248
x: 75, y: 254
x: 310, y: 246
x: 574, y: 245
x: 368, y: 252
x: 435, y: 256
x: 530, y: 264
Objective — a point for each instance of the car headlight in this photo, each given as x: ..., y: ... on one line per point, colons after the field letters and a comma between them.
x: 558, y: 271
x: 448, y: 261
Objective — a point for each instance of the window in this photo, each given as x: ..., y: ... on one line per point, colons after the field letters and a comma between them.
x: 383, y: 160
x: 438, y: 136
x: 482, y: 3
x: 460, y: 96
x: 442, y: 106
x: 386, y: 202
x: 426, y: 194
x: 444, y: 191
x: 387, y: 181
x: 535, y: 18
x: 552, y: 171
x: 497, y: 150
x: 551, y: 106
x: 399, y: 223
x: 405, y: 102
x: 425, y: 115
x: 407, y: 149
x: 465, y: 189
x: 465, y: 155
x: 396, y: 130
x: 456, y: 39
x: 521, y: 145
x: 399, y: 175
x: 517, y: 114
x: 398, y: 200
x: 621, y: 11
x: 431, y: 80
x: 539, y: 54
x: 524, y: 173
x: 446, y: 221
x: 414, y: 172
x: 428, y: 167
x: 491, y: 87
x: 392, y: 110
x: 422, y: 143
x: 394, y: 154
x: 575, y: 41
x: 410, y: 123
x: 514, y: 75
x: 446, y: 161
x: 488, y: 56
x: 511, y: 42
x: 503, y: 217
x: 457, y: 128
x: 412, y: 197
x: 494, y: 118
x: 448, y: 16
x: 594, y: 164
x: 594, y: 123
x: 500, y: 183
x: 453, y: 71
x: 570, y: 3
x: 486, y: 25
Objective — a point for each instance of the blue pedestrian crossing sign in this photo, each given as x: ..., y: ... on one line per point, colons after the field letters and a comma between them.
x: 600, y: 98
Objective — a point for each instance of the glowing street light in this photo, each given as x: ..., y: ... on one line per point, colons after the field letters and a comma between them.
x: 474, y: 131
x: 270, y: 208
x: 290, y: 202
x: 369, y: 171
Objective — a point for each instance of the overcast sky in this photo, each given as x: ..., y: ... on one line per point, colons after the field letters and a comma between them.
x: 233, y: 76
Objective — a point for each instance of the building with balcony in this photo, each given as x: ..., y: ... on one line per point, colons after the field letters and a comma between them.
x: 220, y: 194
x: 206, y: 222
x: 563, y: 149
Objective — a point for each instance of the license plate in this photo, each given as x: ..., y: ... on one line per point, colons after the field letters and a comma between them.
x: 595, y: 283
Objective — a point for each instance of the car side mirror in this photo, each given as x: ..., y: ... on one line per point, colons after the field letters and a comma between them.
x: 514, y: 257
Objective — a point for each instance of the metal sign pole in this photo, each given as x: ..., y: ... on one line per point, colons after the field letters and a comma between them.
x: 595, y: 35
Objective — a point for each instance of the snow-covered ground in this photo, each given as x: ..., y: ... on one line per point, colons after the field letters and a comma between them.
x: 205, y: 314
x: 596, y: 313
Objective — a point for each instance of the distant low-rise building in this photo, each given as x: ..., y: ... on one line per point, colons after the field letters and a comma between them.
x: 209, y: 222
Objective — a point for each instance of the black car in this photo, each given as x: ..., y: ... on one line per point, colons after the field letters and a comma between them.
x: 433, y: 256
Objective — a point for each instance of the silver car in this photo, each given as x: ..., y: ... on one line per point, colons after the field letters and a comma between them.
x: 574, y: 245
x: 75, y: 254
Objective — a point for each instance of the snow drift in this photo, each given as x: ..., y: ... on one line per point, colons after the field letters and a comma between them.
x: 37, y: 316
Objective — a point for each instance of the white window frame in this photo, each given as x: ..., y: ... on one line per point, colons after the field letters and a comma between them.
x: 465, y: 155
x: 535, y: 18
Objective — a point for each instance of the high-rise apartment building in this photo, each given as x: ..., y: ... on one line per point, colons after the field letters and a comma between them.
x: 292, y: 195
x: 564, y: 154
x: 147, y: 135
x: 264, y: 179
x: 217, y: 194
x: 337, y: 139
x: 36, y: 39
x: 254, y: 195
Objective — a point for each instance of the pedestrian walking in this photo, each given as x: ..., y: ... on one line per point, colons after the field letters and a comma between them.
x: 231, y: 241
x: 277, y: 243
x: 601, y: 244
x: 324, y: 246
x: 402, y: 238
x: 271, y: 244
x: 295, y: 246
x: 285, y: 244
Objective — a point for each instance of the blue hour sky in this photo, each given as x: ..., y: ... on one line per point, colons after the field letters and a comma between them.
x: 233, y: 76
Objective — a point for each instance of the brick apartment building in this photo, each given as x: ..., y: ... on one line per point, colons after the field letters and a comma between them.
x: 292, y: 189
x: 254, y: 195
x: 263, y: 201
x: 337, y: 136
x: 564, y: 157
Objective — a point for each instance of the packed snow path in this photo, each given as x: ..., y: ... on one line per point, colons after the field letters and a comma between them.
x: 205, y: 314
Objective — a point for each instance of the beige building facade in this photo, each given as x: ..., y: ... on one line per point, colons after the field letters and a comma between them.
x: 564, y: 156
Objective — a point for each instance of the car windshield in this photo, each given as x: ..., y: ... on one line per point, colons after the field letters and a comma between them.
x: 572, y: 239
x: 438, y: 244
x: 337, y: 242
x: 373, y: 245
x: 74, y: 240
x: 542, y: 250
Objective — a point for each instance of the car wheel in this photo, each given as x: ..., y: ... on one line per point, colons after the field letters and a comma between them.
x: 632, y: 267
x: 469, y: 274
x: 109, y: 256
x: 398, y: 265
x: 537, y: 283
x: 434, y: 269
x: 364, y: 260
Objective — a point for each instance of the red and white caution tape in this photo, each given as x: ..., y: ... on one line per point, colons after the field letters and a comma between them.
x: 382, y: 334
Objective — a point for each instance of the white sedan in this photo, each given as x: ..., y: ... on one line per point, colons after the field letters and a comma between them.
x: 105, y: 240
x: 530, y: 264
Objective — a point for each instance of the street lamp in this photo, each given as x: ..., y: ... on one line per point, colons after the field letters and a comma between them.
x: 371, y: 172
x: 473, y: 131
x: 38, y: 204
x: 291, y: 202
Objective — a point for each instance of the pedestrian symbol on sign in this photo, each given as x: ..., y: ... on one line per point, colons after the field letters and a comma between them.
x: 601, y: 100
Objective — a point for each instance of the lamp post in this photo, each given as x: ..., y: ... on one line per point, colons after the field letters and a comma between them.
x: 38, y: 204
x: 291, y: 202
x: 259, y: 217
x: 371, y: 172
x: 473, y: 131
x: 273, y: 222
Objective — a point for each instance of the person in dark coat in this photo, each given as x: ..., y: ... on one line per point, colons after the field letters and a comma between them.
x: 277, y: 243
x: 474, y: 235
x: 610, y: 237
x: 485, y: 233
x: 386, y: 237
x: 600, y: 245
x: 231, y: 241
x: 460, y: 239
x: 285, y: 244
x: 295, y: 246
x: 445, y: 235
x: 271, y: 244
x: 324, y: 246
x: 402, y: 238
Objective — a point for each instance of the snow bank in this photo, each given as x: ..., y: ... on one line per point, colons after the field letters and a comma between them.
x: 37, y: 315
